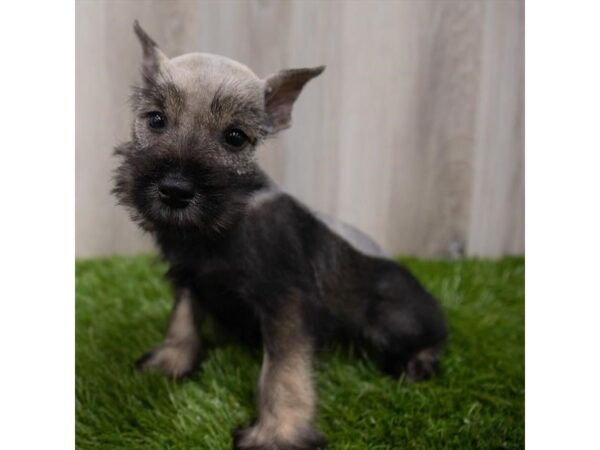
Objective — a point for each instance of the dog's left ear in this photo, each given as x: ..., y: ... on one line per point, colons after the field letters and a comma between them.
x: 281, y: 91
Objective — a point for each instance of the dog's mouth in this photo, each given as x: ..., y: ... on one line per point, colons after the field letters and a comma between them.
x: 190, y: 199
x: 171, y: 204
x: 173, y: 213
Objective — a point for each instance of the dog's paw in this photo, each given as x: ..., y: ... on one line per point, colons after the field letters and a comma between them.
x: 253, y: 438
x: 424, y: 364
x: 175, y: 361
x: 419, y: 367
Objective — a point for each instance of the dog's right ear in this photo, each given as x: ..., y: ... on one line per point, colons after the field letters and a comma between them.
x: 154, y: 58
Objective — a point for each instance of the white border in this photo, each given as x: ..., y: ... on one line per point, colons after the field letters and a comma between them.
x: 562, y: 230
x: 563, y: 224
x: 37, y: 398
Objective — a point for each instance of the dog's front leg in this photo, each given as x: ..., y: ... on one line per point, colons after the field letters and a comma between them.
x: 286, y: 396
x: 177, y: 355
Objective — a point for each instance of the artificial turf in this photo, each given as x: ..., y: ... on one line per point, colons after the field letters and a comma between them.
x: 122, y: 307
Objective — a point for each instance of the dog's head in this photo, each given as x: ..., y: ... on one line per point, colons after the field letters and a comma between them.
x: 198, y: 121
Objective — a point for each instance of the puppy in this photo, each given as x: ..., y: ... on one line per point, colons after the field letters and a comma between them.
x: 253, y: 257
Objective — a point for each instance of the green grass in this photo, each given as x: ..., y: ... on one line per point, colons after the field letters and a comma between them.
x: 122, y: 306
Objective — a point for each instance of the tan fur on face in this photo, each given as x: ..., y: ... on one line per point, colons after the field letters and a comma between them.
x: 177, y: 354
x: 204, y: 95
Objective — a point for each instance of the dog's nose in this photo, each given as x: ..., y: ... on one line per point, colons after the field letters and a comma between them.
x: 176, y: 191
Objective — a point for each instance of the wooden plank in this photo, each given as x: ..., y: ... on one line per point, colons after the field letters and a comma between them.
x: 414, y: 132
x: 498, y: 206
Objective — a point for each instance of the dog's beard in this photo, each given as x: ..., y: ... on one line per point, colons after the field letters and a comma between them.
x: 157, y: 212
x: 206, y: 212
x: 219, y: 200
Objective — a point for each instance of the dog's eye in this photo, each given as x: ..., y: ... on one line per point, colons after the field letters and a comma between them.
x: 156, y: 120
x: 235, y: 138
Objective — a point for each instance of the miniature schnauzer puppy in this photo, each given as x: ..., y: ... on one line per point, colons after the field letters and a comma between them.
x: 253, y: 257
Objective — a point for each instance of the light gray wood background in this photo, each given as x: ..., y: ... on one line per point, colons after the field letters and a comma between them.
x: 414, y: 133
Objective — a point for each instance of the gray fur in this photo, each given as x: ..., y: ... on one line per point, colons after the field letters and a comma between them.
x: 358, y: 239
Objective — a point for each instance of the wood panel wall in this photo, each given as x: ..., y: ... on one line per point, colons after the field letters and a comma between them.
x: 414, y: 133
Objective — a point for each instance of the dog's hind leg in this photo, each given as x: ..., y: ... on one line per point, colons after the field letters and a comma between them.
x: 177, y: 355
x: 407, y: 326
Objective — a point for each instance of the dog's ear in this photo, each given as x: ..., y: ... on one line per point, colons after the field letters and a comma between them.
x: 282, y: 90
x: 153, y: 58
